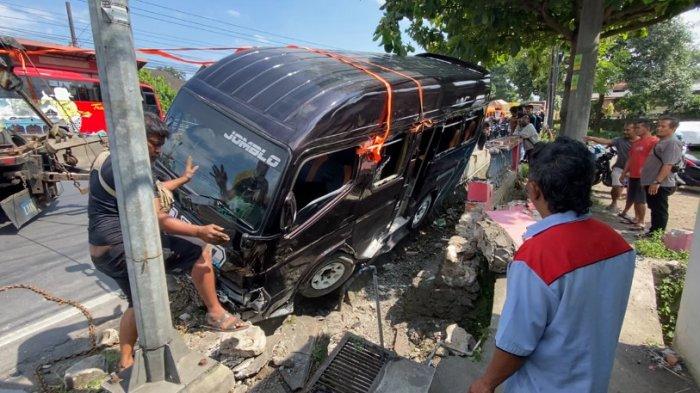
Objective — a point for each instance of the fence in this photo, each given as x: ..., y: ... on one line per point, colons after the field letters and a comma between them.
x: 505, y: 156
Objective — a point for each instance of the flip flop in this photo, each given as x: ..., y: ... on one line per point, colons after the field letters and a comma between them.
x: 625, y: 217
x: 637, y: 227
x: 217, y: 324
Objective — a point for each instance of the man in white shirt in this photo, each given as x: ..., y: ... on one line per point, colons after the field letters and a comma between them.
x: 527, y: 132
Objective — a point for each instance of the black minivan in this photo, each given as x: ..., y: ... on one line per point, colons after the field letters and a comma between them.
x: 281, y: 136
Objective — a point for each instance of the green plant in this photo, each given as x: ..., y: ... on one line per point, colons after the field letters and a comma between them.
x: 165, y: 93
x: 668, y: 295
x: 524, y: 171
x: 654, y: 247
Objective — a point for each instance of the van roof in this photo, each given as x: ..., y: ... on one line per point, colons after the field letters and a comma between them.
x: 296, y: 94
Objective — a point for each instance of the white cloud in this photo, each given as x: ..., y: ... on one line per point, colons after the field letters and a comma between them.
x: 233, y: 13
x: 692, y: 19
x: 27, y: 19
x: 261, y: 38
x: 381, y: 2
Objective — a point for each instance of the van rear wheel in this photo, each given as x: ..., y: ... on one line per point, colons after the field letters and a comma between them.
x: 327, y: 276
x: 422, y: 211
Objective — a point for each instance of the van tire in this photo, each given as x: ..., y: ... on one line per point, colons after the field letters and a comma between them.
x: 327, y: 276
x: 423, y: 210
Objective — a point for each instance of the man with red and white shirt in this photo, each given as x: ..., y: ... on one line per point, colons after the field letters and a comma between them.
x: 635, y: 192
x: 568, y: 285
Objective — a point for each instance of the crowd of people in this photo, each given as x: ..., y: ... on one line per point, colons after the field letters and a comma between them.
x: 523, y: 122
x: 646, y: 168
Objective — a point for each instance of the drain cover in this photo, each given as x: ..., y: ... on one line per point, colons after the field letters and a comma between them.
x: 358, y: 366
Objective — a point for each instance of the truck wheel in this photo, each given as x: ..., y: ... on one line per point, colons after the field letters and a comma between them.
x: 422, y: 211
x: 327, y: 276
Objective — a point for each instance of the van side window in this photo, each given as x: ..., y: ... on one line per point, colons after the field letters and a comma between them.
x: 451, y: 135
x: 470, y: 128
x: 393, y: 154
x: 320, y: 178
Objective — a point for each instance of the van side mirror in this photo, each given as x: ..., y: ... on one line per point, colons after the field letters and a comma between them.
x: 289, y: 212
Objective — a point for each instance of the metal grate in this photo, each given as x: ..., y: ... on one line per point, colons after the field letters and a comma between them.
x: 353, y: 367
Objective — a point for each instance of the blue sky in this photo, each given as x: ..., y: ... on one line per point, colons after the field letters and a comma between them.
x: 346, y: 24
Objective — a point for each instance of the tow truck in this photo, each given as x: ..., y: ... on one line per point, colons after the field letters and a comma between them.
x: 32, y: 167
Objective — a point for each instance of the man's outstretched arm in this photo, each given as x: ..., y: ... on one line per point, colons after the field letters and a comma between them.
x: 501, y: 367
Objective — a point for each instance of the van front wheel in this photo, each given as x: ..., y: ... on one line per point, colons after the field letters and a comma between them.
x: 327, y: 276
x: 422, y: 211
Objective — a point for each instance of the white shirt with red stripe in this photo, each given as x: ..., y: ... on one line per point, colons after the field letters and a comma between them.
x: 567, y: 291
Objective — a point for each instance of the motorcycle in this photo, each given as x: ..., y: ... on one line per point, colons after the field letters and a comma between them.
x: 602, y: 164
x: 689, y: 174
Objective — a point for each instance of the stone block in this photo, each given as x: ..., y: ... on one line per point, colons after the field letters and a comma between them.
x: 85, y: 373
x: 246, y: 343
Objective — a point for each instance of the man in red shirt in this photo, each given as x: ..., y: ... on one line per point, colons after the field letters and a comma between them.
x: 633, y: 170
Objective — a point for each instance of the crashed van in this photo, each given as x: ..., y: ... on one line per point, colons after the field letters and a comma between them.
x: 317, y: 162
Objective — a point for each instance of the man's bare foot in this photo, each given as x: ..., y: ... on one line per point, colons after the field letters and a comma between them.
x: 124, y: 364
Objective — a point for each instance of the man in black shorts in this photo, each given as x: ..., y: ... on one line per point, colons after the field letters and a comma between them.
x: 179, y: 255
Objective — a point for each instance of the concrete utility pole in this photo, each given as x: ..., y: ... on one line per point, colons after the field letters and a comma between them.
x: 162, y: 363
x: 579, y: 106
x: 73, y: 38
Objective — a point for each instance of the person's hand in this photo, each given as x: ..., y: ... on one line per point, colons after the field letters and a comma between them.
x: 623, y: 177
x: 481, y: 386
x: 220, y: 176
x: 212, y: 234
x: 587, y: 138
x: 653, y: 189
x: 190, y: 169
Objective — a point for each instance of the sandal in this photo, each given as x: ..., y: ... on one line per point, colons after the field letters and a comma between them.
x: 625, y: 217
x: 218, y: 324
x: 637, y: 227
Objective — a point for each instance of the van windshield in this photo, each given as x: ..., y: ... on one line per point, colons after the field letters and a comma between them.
x: 236, y: 165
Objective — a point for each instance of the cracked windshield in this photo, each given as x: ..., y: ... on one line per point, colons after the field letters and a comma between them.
x: 236, y: 166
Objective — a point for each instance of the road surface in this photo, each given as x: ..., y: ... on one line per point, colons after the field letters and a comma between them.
x: 51, y: 253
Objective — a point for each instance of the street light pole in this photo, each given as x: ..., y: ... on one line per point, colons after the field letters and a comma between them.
x: 162, y: 363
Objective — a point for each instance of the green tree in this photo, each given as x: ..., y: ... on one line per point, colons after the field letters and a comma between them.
x: 612, y: 53
x: 165, y: 93
x: 490, y: 30
x: 173, y: 71
x: 660, y: 68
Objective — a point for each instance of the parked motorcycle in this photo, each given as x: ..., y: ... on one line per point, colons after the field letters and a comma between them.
x: 689, y: 174
x: 602, y: 164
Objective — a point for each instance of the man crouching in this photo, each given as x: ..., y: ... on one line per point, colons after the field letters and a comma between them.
x: 179, y: 255
x: 568, y: 285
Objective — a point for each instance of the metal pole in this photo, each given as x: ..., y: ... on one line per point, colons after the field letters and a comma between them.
x: 160, y: 348
x: 552, y: 86
x: 73, y: 38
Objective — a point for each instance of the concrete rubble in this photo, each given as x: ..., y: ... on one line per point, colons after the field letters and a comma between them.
x: 108, y: 338
x: 245, y: 343
x: 458, y: 339
x: 88, y: 372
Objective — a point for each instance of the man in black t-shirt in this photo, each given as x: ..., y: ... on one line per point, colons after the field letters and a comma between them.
x: 179, y: 255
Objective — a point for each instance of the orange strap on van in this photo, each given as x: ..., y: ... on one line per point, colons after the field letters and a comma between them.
x: 422, y: 122
x: 374, y: 146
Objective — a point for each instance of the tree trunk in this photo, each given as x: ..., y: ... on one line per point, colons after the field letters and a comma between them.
x: 567, y: 85
x: 584, y: 64
x: 598, y: 113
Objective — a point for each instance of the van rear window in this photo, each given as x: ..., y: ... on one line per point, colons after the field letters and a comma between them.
x: 236, y: 165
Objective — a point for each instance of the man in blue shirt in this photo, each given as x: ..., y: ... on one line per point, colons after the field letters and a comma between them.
x: 568, y: 286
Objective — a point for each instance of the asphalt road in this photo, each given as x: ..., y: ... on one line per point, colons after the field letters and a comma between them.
x: 51, y: 253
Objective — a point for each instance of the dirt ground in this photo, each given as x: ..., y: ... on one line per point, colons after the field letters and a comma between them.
x: 683, y: 207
